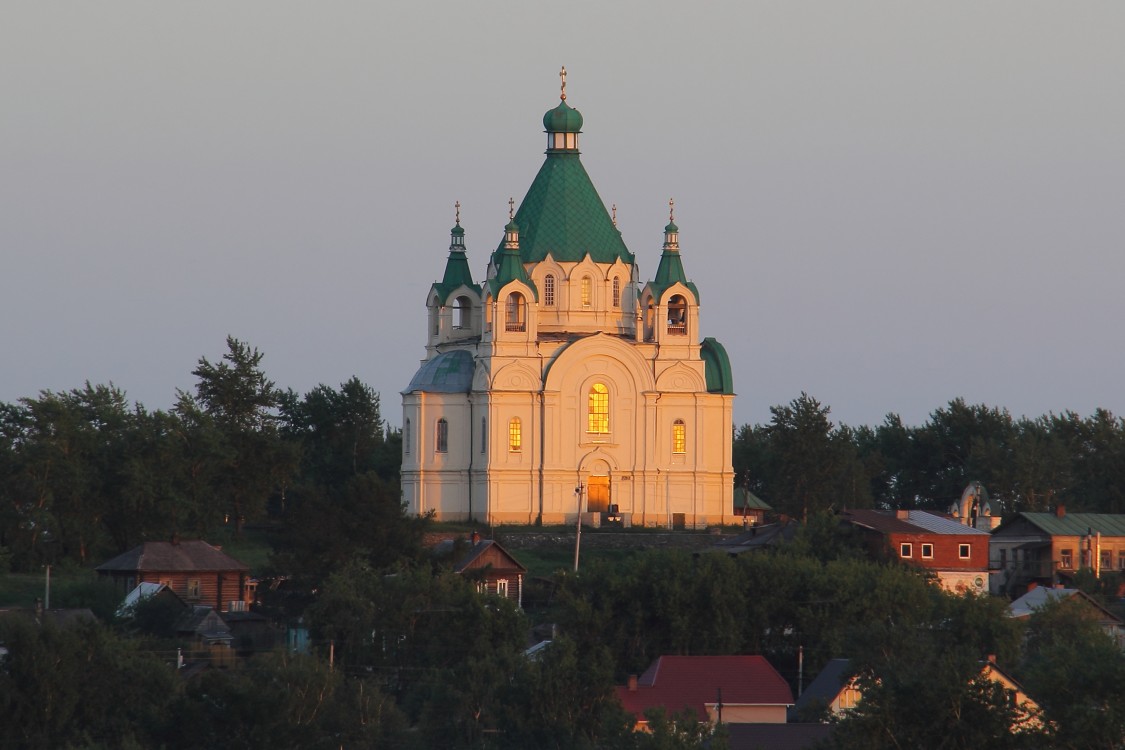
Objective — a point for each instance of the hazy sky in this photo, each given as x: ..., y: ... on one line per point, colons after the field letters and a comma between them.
x: 887, y: 205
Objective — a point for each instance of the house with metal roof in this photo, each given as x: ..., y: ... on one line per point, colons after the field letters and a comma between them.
x: 1040, y: 596
x: 956, y: 553
x: 494, y: 569
x: 1049, y: 548
x: 194, y: 570
x: 720, y: 689
x: 562, y: 385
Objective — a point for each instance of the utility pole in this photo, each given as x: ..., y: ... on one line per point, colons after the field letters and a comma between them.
x: 578, y: 525
x: 47, y: 595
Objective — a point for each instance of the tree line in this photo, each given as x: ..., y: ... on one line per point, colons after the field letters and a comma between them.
x: 801, y: 462
x: 85, y: 475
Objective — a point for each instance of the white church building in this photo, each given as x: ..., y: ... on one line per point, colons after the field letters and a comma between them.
x: 563, y: 383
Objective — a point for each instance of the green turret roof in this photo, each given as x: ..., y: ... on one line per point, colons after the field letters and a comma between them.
x: 563, y: 119
x: 509, y: 264
x: 669, y: 272
x: 457, y: 271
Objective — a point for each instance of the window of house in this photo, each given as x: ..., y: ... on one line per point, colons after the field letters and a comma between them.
x: 484, y: 434
x: 549, y: 290
x: 849, y: 697
x: 1066, y: 559
x: 927, y: 551
x: 905, y: 549
x: 193, y: 588
x: 617, y: 291
x: 963, y: 551
x: 598, y: 410
x: 679, y: 436
x: 441, y: 439
x: 502, y: 587
x: 1107, y: 559
x: 586, y: 290
x: 406, y: 437
x: 517, y: 311
x: 515, y: 435
x: 1121, y: 559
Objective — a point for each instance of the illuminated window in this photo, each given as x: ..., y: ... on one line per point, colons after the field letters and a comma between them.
x: 515, y: 435
x: 598, y: 411
x: 849, y: 697
x: 963, y: 551
x: 406, y: 436
x: 905, y: 550
x: 586, y: 291
x: 617, y: 291
x: 442, y: 437
x: 1066, y: 559
x: 927, y: 551
x: 679, y: 437
x: 549, y: 290
x: 502, y: 587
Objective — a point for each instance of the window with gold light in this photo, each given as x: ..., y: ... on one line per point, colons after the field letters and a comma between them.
x: 679, y: 436
x: 598, y: 410
x: 515, y: 435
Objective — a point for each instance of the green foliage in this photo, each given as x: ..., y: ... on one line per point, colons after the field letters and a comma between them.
x: 85, y: 590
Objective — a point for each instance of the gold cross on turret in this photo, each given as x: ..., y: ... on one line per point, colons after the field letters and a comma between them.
x: 457, y: 206
x: 511, y: 209
x: 562, y: 76
x: 671, y: 210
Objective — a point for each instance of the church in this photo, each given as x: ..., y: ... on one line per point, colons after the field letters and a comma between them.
x: 563, y: 384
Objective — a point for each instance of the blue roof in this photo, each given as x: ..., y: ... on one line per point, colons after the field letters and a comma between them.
x: 451, y: 372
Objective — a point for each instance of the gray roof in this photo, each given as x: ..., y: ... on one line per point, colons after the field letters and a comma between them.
x: 941, y: 524
x: 451, y: 372
x: 1039, y: 596
x: 170, y: 557
x: 827, y: 684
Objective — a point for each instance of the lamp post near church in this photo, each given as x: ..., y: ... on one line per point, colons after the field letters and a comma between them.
x: 578, y: 524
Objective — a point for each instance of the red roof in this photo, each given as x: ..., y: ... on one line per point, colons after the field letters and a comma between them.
x: 678, y: 682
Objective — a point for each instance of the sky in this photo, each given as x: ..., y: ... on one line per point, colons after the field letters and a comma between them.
x: 885, y: 205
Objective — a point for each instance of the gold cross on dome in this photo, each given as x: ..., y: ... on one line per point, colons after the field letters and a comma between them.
x: 671, y: 210
x: 457, y: 206
x: 562, y: 76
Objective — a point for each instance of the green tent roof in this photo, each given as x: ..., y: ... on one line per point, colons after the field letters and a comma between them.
x: 562, y: 214
x: 669, y: 272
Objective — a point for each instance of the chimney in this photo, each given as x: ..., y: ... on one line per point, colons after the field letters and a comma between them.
x: 992, y: 658
x: 1060, y: 510
x: 1032, y: 585
x: 632, y: 683
x: 902, y: 515
x: 475, y: 538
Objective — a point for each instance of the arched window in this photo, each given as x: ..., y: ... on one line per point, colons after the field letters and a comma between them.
x: 677, y: 316
x: 597, y: 422
x: 462, y: 312
x: 517, y: 311
x: 441, y: 439
x: 549, y: 290
x: 484, y: 434
x: 406, y: 437
x: 586, y: 291
x: 679, y: 436
x: 617, y: 291
x: 515, y: 435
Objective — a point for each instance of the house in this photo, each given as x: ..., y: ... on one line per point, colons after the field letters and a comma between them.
x: 1049, y: 548
x: 750, y: 508
x: 760, y: 537
x: 1038, y: 597
x: 143, y: 592
x: 727, y: 689
x: 836, y: 690
x: 562, y: 384
x: 955, y: 552
x: 495, y: 570
x: 196, y: 571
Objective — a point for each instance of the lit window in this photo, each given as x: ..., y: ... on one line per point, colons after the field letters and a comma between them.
x: 905, y: 550
x: 617, y: 291
x: 406, y: 437
x: 598, y: 411
x: 586, y: 291
x: 502, y: 587
x: 442, y: 437
x: 963, y: 551
x: 549, y: 290
x: 849, y: 697
x: 484, y: 434
x: 927, y: 551
x: 515, y: 435
x: 679, y: 437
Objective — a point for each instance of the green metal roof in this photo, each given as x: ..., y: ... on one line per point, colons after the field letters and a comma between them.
x: 562, y: 214
x: 457, y: 271
x: 744, y: 498
x: 1076, y: 524
x: 509, y: 264
x: 716, y: 367
x: 669, y: 272
x: 563, y: 119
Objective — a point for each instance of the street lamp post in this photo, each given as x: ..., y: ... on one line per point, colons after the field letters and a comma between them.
x: 578, y: 524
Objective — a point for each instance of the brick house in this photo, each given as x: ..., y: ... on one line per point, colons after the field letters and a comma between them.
x: 956, y: 553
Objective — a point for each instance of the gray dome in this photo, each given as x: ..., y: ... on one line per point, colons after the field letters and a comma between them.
x: 451, y: 372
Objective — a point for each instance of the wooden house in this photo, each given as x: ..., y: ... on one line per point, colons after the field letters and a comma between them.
x: 196, y: 571
x: 495, y: 569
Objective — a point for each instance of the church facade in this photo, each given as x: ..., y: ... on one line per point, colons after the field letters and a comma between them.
x: 562, y: 383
